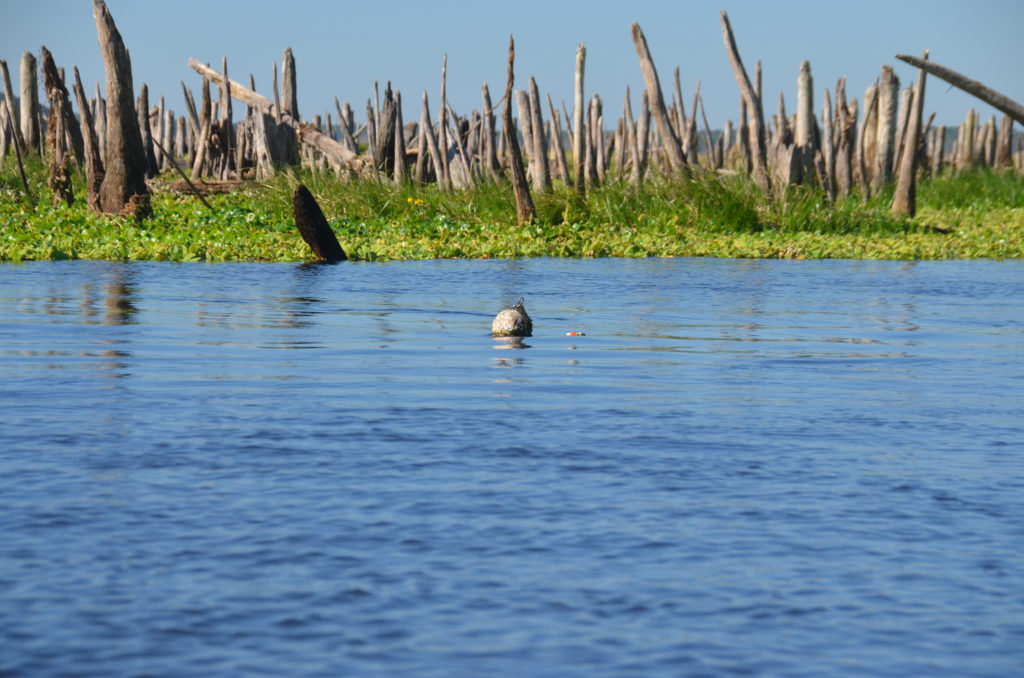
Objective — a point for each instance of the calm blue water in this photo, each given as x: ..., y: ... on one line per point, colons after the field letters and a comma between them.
x: 744, y: 468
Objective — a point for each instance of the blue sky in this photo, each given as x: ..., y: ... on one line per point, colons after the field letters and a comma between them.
x: 342, y: 47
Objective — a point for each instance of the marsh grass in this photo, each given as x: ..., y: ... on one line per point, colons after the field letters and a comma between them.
x: 975, y: 214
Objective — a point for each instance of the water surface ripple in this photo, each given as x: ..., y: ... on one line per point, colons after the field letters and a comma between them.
x: 743, y: 468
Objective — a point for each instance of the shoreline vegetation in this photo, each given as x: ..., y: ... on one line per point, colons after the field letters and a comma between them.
x: 874, y: 183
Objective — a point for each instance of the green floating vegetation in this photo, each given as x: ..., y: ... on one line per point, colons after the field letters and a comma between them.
x: 978, y: 214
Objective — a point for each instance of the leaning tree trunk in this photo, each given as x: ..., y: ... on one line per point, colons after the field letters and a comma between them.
x: 670, y: 142
x: 752, y: 97
x: 525, y: 211
x: 57, y: 97
x: 124, y: 185
x: 12, y: 106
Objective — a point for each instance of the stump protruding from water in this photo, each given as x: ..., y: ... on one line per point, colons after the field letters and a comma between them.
x: 313, y: 226
x: 512, y: 322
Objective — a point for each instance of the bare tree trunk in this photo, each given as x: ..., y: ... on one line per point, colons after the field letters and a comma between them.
x: 542, y: 176
x: 57, y: 97
x: 758, y: 152
x: 579, y: 139
x: 670, y: 142
x: 525, y: 127
x: 862, y: 168
x: 888, y: 98
x: 490, y: 147
x: 556, y: 140
x: 427, y: 129
x: 12, y: 107
x: 204, y: 133
x: 442, y: 119
x: 401, y: 175
x: 30, y: 112
x: 1004, y: 142
x: 289, y: 94
x: 828, y: 148
x: 124, y: 184
x: 147, y: 137
x: 635, y: 175
x: 93, y: 161
x: 904, y: 201
x: 804, y: 137
x: 525, y: 211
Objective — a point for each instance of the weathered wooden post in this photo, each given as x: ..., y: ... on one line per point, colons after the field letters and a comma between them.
x: 670, y: 142
x: 904, y: 201
x: 5, y: 136
x: 124, y: 185
x: 758, y: 152
x: 525, y: 211
x: 579, y: 139
x: 30, y: 111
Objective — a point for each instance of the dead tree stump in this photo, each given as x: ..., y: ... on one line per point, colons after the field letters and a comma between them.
x: 124, y: 185
x: 313, y: 226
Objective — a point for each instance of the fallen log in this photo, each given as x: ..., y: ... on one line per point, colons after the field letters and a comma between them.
x: 972, y: 87
x: 307, y: 133
x: 313, y: 227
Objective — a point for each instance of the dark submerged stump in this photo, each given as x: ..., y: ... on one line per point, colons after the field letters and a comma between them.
x: 313, y: 226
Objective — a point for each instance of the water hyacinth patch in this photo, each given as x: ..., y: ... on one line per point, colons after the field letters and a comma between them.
x: 978, y: 214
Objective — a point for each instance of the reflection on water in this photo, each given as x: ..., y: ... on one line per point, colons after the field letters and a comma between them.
x: 784, y: 468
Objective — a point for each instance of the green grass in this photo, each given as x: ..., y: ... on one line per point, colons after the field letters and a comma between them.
x: 707, y: 215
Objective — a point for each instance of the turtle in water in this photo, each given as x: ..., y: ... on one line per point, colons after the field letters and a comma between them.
x: 512, y: 322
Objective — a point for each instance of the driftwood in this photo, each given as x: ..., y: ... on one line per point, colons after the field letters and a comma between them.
x: 124, y: 185
x: 525, y: 211
x: 752, y: 98
x: 972, y: 87
x: 904, y: 200
x: 313, y: 226
x: 427, y: 130
x: 60, y: 171
x: 669, y: 141
x: 306, y: 133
